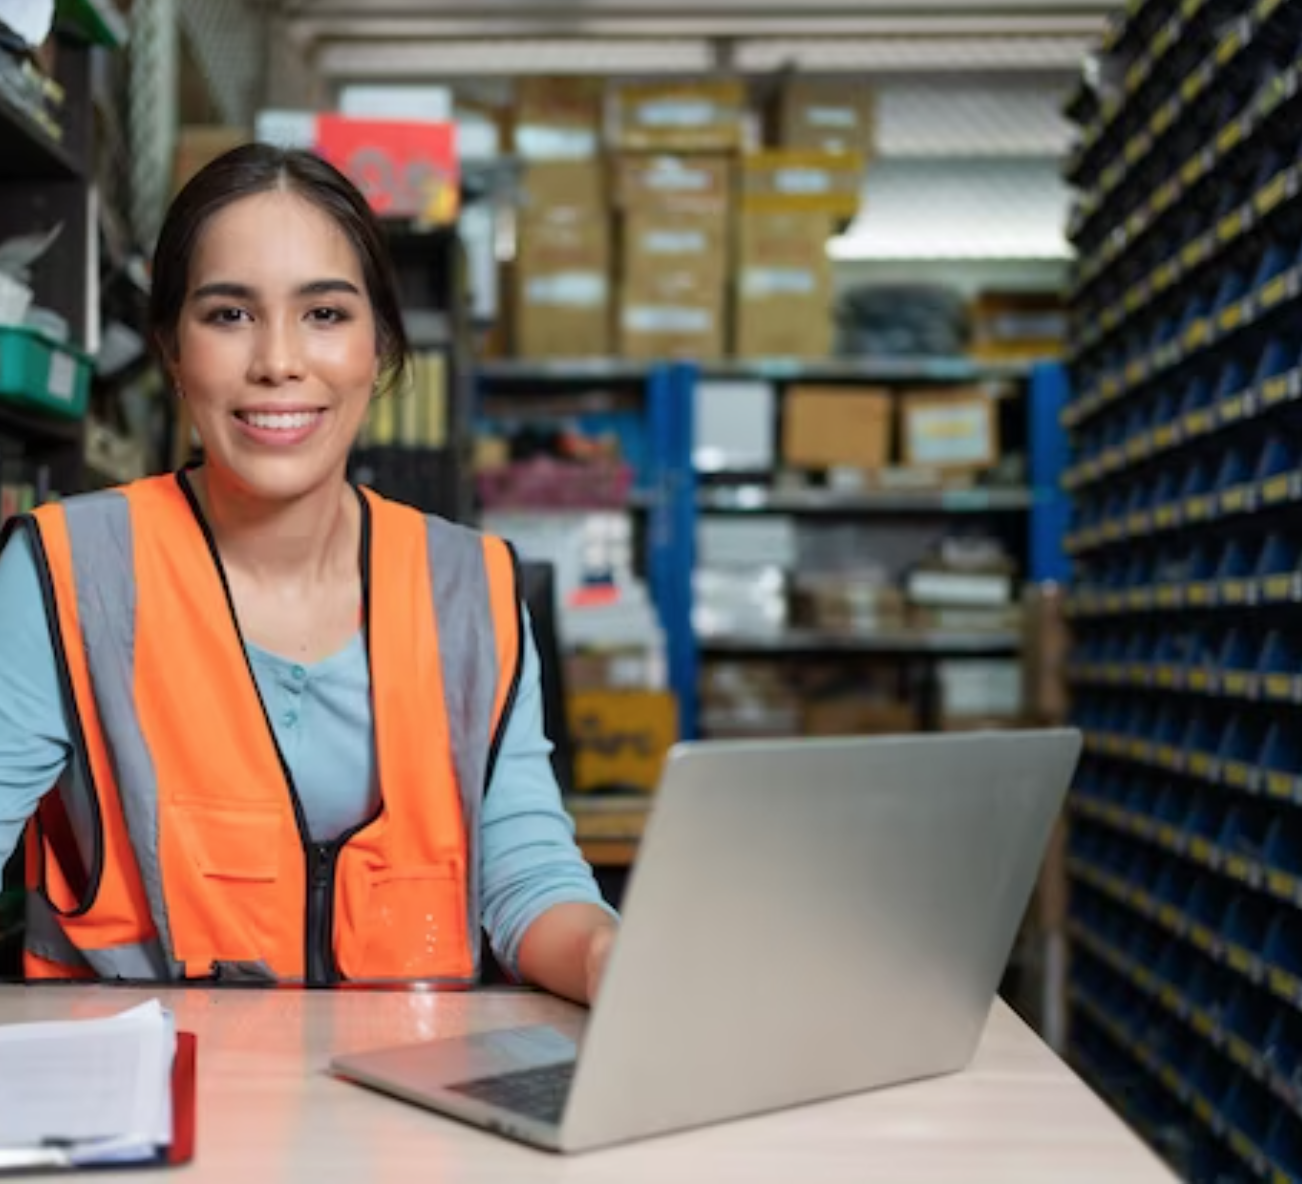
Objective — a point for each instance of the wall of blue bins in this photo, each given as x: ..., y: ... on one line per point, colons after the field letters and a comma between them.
x: 1186, y: 546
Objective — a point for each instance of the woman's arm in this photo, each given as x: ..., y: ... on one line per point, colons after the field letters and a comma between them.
x: 34, y: 744
x: 542, y: 908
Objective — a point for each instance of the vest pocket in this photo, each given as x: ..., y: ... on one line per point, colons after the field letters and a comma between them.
x: 232, y: 844
x: 410, y: 923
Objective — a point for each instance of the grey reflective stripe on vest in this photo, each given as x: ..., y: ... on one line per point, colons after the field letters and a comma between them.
x: 103, y: 561
x: 468, y: 653
x: 44, y: 937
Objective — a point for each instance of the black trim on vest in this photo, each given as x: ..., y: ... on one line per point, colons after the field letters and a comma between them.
x: 88, y: 890
x: 508, y: 707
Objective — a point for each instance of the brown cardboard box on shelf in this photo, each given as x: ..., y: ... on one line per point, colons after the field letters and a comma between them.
x: 683, y: 320
x: 557, y: 118
x: 666, y: 181
x: 621, y: 738
x: 783, y: 301
x: 956, y: 429
x: 562, y: 286
x: 680, y: 116
x: 200, y: 144
x: 815, y: 182
x: 830, y: 427
x: 823, y: 114
x: 1018, y: 326
x: 858, y: 715
x: 552, y: 185
x: 673, y: 243
x: 673, y: 285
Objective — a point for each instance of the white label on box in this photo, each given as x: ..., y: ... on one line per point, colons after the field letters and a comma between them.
x: 674, y: 242
x: 568, y: 289
x: 802, y: 181
x: 63, y: 377
x: 678, y: 113
x: 949, y: 435
x: 773, y: 281
x: 672, y: 177
x: 556, y: 143
x: 838, y: 117
x: 648, y: 318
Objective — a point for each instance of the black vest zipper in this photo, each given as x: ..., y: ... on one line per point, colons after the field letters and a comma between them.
x: 321, y: 968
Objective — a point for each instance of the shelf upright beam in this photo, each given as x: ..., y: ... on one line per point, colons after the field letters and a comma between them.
x: 1049, y: 455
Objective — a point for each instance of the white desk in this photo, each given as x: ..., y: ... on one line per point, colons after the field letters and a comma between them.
x: 268, y: 1110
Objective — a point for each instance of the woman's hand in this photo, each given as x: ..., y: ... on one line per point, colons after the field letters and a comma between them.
x: 566, y: 950
x: 600, y: 944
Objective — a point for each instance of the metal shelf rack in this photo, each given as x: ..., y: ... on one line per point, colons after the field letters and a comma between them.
x: 1185, y: 852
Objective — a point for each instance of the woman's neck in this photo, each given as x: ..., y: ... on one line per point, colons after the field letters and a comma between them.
x: 306, y: 540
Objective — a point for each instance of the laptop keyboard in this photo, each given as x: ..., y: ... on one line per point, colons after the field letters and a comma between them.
x: 536, y: 1093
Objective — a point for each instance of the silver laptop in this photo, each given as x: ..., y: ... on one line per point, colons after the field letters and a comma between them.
x: 806, y: 919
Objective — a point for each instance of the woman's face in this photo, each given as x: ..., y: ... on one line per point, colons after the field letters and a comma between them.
x: 276, y: 345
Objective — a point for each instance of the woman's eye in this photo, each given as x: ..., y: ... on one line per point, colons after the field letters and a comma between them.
x: 327, y: 316
x: 226, y: 316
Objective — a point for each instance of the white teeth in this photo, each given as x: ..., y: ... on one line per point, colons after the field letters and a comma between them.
x: 281, y: 421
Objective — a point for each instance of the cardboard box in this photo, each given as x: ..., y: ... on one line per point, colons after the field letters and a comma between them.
x: 815, y: 182
x: 784, y: 293
x: 858, y: 715
x: 621, y: 738
x: 687, y: 321
x: 826, y: 427
x: 562, y: 287
x: 955, y: 429
x: 680, y: 116
x: 557, y: 118
x: 673, y: 244
x: 1018, y: 326
x: 673, y: 182
x: 549, y: 186
x: 823, y: 115
x: 198, y: 145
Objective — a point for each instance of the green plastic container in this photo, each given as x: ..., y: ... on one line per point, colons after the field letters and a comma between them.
x: 41, y: 374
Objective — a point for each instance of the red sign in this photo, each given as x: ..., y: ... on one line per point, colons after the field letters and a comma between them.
x: 405, y: 169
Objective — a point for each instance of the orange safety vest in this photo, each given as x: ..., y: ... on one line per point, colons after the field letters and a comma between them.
x: 174, y: 846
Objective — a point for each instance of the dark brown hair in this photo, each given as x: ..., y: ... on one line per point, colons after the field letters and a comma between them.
x: 260, y: 168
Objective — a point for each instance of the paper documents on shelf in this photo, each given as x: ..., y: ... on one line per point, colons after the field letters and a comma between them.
x: 87, y: 1092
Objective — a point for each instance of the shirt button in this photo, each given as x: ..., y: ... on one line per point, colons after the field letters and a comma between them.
x: 299, y: 673
x: 289, y: 719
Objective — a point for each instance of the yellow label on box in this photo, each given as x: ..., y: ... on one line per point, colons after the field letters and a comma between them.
x: 1234, y: 591
x: 1199, y: 680
x: 1279, y: 686
x: 1230, y: 136
x: 1197, y: 333
x: 1281, y: 884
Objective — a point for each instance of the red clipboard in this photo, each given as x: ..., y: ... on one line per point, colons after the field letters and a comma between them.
x: 178, y: 1152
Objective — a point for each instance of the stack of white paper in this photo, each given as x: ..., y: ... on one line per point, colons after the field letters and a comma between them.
x: 87, y: 1091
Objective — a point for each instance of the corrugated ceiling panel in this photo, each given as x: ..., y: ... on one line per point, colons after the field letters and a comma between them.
x: 960, y: 209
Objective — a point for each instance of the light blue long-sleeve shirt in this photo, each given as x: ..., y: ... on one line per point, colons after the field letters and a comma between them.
x: 321, y: 715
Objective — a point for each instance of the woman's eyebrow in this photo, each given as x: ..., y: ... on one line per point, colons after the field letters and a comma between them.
x: 234, y: 291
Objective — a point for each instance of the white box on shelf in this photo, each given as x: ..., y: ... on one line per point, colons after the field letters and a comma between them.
x: 735, y: 426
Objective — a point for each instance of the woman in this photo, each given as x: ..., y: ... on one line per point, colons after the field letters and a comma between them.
x: 295, y: 729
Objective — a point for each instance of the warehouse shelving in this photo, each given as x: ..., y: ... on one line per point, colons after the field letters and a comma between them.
x: 673, y: 496
x: 1185, y: 848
